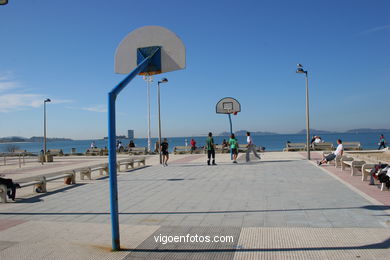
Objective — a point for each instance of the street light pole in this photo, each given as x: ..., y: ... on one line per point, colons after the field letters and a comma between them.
x: 307, y: 118
x: 44, y: 125
x: 149, y: 80
x: 301, y: 70
x: 164, y: 80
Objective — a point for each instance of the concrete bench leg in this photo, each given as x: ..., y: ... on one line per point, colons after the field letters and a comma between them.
x: 40, y: 186
x: 3, y: 193
x: 85, y: 173
x: 365, y: 175
x: 355, y: 171
x: 73, y: 178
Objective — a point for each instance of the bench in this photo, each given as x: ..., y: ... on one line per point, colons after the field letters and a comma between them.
x: 130, y: 162
x: 101, y: 168
x: 96, y: 151
x: 366, y: 172
x: 322, y: 146
x: 354, y: 165
x: 352, y: 146
x: 181, y: 149
x: 220, y: 149
x: 66, y: 175
x: 87, y: 171
x: 20, y: 151
x: 55, y: 152
x: 336, y: 161
x: 294, y: 147
x: 137, y: 150
x: 40, y: 183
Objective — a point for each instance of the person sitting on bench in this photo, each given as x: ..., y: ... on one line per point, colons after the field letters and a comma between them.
x: 332, y: 156
x: 10, y: 185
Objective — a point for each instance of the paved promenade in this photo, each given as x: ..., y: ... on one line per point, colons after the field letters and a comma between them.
x: 282, y: 207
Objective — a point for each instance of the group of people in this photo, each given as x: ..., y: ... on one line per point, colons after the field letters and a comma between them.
x: 210, y: 148
x: 119, y: 145
x: 121, y: 148
x: 316, y: 139
x: 233, y: 143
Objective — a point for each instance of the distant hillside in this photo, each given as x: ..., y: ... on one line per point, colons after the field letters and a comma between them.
x: 17, y: 139
x: 12, y: 139
x: 352, y: 131
x: 312, y: 132
x: 243, y: 133
x: 368, y: 130
x: 315, y: 131
x: 40, y: 139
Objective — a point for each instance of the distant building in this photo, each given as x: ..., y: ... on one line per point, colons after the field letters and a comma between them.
x: 130, y: 134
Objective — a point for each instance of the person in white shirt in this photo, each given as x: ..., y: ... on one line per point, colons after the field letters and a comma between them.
x: 317, y: 140
x: 339, y: 152
x: 251, y: 147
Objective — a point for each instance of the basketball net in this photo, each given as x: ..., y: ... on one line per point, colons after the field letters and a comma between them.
x: 229, y: 111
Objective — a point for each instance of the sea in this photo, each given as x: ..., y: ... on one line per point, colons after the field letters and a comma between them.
x: 275, y: 142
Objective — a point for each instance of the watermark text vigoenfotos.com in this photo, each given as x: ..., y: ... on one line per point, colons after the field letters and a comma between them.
x: 165, y: 239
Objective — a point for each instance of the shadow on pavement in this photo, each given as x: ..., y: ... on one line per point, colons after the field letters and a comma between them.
x: 368, y: 207
x: 37, y: 198
x: 382, y: 245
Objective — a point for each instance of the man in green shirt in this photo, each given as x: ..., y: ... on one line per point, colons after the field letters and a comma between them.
x: 234, y: 147
x: 210, y: 147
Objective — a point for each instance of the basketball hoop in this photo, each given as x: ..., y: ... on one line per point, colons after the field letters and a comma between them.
x: 235, y: 113
x: 228, y: 105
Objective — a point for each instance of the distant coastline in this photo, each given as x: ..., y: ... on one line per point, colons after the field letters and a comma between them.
x: 312, y: 132
x: 34, y: 139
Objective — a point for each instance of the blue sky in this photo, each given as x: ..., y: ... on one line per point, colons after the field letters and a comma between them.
x: 64, y: 50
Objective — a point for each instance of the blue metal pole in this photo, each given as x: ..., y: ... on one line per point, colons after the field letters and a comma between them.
x: 231, y: 132
x: 112, y: 148
x: 112, y: 172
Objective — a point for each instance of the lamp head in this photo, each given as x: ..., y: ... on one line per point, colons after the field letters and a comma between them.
x: 47, y: 100
x: 163, y: 80
x: 300, y: 69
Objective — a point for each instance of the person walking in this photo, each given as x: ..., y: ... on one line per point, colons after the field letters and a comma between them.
x: 193, y: 145
x: 382, y: 142
x: 234, y: 147
x: 210, y: 147
x: 164, y: 151
x: 251, y: 147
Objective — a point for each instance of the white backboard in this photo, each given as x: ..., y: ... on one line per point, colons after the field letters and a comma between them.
x: 228, y: 105
x: 173, y: 55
